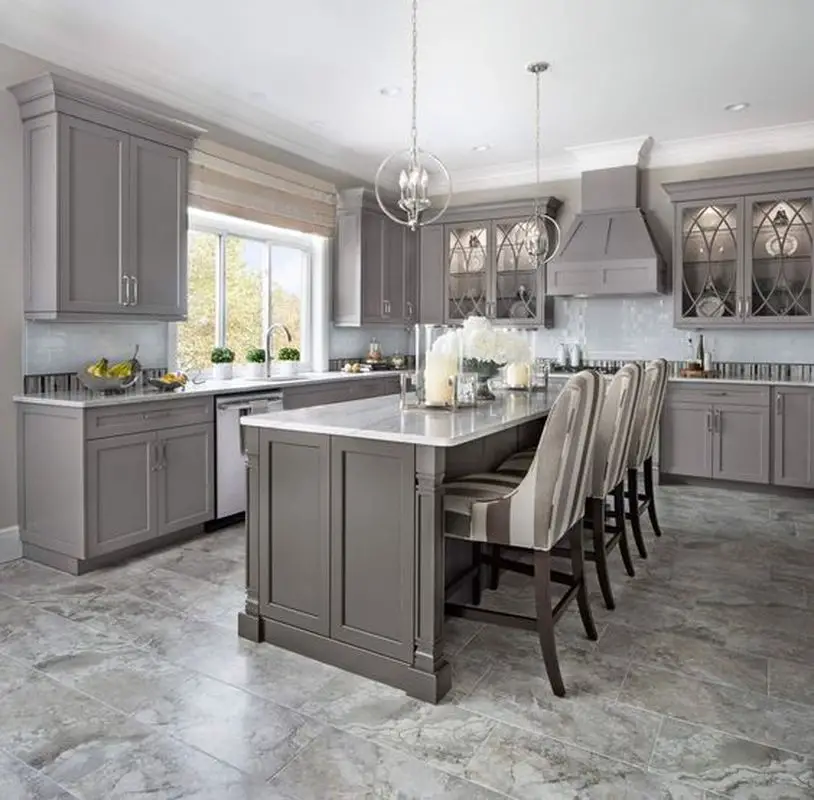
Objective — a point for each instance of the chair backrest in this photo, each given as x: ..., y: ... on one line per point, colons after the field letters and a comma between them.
x: 556, y: 485
x: 648, y: 412
x: 613, y: 435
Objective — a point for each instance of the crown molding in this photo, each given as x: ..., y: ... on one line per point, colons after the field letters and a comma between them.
x: 519, y: 173
x: 633, y: 151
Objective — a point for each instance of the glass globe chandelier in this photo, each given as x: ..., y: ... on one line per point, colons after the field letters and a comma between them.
x: 542, y: 240
x: 418, y: 167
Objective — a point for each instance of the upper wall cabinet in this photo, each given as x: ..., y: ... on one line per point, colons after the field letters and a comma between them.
x: 375, y: 280
x: 105, y: 200
x: 475, y: 262
x: 742, y: 250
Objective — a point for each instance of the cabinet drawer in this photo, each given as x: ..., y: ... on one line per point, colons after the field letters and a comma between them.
x: 721, y: 394
x: 151, y: 416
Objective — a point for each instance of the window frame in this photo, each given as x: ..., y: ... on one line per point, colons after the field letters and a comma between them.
x: 222, y: 227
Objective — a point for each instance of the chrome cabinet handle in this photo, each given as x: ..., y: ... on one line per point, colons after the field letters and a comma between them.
x: 778, y: 405
x: 163, y: 454
x: 156, y: 465
x: 709, y: 421
x: 409, y: 310
x: 134, y: 284
x: 125, y: 301
x: 717, y: 425
x: 738, y: 306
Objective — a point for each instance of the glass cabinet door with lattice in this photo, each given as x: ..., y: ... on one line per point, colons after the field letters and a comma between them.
x: 518, y: 283
x: 467, y: 268
x: 708, y: 259
x: 779, y: 260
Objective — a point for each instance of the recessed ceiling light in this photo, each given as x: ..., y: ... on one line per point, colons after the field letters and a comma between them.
x: 317, y: 123
x: 736, y: 107
x: 258, y: 96
x: 390, y: 91
x: 482, y: 148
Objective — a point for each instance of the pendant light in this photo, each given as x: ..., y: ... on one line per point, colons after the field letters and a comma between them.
x: 418, y: 168
x: 540, y: 226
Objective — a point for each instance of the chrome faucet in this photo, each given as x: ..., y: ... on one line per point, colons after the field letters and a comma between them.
x: 270, y: 330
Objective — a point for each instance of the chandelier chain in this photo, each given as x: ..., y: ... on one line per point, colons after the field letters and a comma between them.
x: 414, y: 129
x: 537, y: 140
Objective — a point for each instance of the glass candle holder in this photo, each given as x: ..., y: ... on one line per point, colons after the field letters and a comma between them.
x: 438, y: 365
x: 517, y: 374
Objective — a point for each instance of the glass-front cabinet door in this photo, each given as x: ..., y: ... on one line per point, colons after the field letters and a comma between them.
x: 467, y: 269
x: 779, y: 259
x: 708, y: 255
x: 517, y: 282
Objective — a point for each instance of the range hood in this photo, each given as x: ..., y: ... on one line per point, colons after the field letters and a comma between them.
x: 609, y: 249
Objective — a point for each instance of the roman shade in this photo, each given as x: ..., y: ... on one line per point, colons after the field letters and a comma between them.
x: 228, y: 181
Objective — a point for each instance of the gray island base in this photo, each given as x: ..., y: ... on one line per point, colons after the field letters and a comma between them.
x: 346, y: 558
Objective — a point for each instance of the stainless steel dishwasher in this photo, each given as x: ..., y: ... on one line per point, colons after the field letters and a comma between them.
x: 230, y: 469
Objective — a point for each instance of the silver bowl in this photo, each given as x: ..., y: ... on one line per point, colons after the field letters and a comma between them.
x: 106, y: 385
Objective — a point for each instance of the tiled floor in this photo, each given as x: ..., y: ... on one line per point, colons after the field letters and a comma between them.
x: 131, y: 683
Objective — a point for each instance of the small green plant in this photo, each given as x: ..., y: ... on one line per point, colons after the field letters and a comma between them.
x: 288, y: 354
x: 222, y: 355
x: 256, y: 356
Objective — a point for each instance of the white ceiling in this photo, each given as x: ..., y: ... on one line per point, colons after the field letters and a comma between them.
x: 305, y: 75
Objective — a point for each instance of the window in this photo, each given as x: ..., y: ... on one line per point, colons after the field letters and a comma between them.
x: 243, y: 277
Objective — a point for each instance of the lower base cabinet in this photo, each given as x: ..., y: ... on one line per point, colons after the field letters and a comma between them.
x: 793, y: 442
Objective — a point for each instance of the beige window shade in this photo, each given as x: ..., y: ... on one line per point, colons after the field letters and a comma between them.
x: 230, y: 182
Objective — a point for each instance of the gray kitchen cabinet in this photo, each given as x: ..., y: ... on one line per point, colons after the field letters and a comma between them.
x: 340, y: 391
x: 374, y: 275
x: 104, y: 205
x: 158, y: 230
x: 686, y: 430
x: 121, y: 498
x: 186, y: 491
x: 741, y: 443
x: 475, y: 259
x: 793, y: 436
x: 742, y: 250
x: 372, y: 545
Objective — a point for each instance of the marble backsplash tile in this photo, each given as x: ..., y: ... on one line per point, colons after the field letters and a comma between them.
x: 52, y: 347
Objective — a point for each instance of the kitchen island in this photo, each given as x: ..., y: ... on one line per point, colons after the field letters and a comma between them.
x: 346, y: 558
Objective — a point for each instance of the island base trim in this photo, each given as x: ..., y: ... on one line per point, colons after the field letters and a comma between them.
x: 427, y: 686
x: 249, y: 627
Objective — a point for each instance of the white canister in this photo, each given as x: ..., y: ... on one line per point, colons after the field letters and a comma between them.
x: 222, y: 372
x: 561, y: 354
x: 576, y: 356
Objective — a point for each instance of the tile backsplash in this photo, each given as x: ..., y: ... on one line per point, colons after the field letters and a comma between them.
x: 642, y: 327
x: 52, y: 347
x: 353, y: 342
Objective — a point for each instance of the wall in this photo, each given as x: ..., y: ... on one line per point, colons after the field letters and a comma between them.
x: 353, y: 342
x: 616, y: 328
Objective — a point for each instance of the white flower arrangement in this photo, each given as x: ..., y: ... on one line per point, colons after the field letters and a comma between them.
x: 478, y: 341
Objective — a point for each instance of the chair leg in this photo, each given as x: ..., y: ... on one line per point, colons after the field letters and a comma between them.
x: 596, y: 511
x: 619, y: 515
x: 578, y: 568
x: 494, y: 569
x: 477, y: 558
x: 633, y: 510
x: 647, y: 469
x: 545, y: 620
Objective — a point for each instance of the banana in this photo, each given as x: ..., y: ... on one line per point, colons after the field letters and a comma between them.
x: 123, y: 369
x: 99, y: 369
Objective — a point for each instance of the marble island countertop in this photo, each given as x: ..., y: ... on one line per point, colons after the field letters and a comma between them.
x: 563, y: 376
x: 382, y: 419
x: 209, y: 388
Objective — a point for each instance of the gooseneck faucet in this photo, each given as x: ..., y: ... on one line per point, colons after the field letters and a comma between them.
x: 269, y: 331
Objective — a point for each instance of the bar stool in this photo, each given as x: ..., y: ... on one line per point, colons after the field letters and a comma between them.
x: 610, y: 458
x: 648, y: 417
x: 534, y: 512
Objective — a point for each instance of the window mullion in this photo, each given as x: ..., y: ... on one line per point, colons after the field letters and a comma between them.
x: 220, y: 292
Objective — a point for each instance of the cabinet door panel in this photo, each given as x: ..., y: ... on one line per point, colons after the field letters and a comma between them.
x: 120, y: 495
x: 158, y: 225
x: 432, y: 269
x: 793, y: 437
x: 411, y: 311
x: 373, y: 258
x: 294, y: 508
x: 186, y: 488
x: 393, y: 292
x: 372, y: 545
x: 685, y: 439
x: 518, y: 283
x: 468, y: 254
x: 741, y: 445
x: 93, y: 217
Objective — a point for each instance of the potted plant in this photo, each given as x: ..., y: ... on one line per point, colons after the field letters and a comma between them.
x: 288, y: 358
x: 256, y: 359
x: 222, y: 358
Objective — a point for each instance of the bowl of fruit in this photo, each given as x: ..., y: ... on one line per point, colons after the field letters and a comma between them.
x: 106, y: 378
x: 169, y: 382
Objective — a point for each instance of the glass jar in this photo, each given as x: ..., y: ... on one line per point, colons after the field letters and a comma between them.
x: 438, y: 365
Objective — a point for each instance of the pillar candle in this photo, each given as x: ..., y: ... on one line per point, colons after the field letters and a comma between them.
x: 517, y: 375
x: 437, y: 384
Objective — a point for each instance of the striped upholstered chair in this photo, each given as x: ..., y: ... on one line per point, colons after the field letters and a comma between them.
x: 610, y: 457
x: 533, y: 512
x: 648, y: 417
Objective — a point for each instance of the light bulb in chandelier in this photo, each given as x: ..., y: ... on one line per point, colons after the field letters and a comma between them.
x: 542, y: 238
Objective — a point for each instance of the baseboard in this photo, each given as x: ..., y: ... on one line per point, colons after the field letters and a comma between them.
x: 10, y: 545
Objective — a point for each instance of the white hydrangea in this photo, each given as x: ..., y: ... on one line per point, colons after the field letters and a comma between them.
x: 478, y: 340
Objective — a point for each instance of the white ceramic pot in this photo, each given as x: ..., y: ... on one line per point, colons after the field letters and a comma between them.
x: 287, y: 368
x: 222, y: 372
x: 255, y: 370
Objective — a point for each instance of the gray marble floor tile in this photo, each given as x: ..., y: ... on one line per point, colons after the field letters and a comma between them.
x: 686, y: 654
x: 161, y: 767
x: 730, y: 766
x: 773, y: 722
x: 255, y: 735
x: 225, y: 543
x: 791, y: 680
x: 458, y: 633
x: 13, y: 674
x: 204, y: 566
x: 338, y: 764
x: 444, y: 736
x: 18, y: 781
x: 172, y: 589
x: 26, y: 580
x: 529, y: 766
x: 220, y: 605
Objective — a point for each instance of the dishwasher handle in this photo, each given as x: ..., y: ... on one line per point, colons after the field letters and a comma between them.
x: 249, y: 403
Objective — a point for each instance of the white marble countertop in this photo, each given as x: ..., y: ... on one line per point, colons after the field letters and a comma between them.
x: 561, y: 376
x: 210, y: 387
x: 380, y: 418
